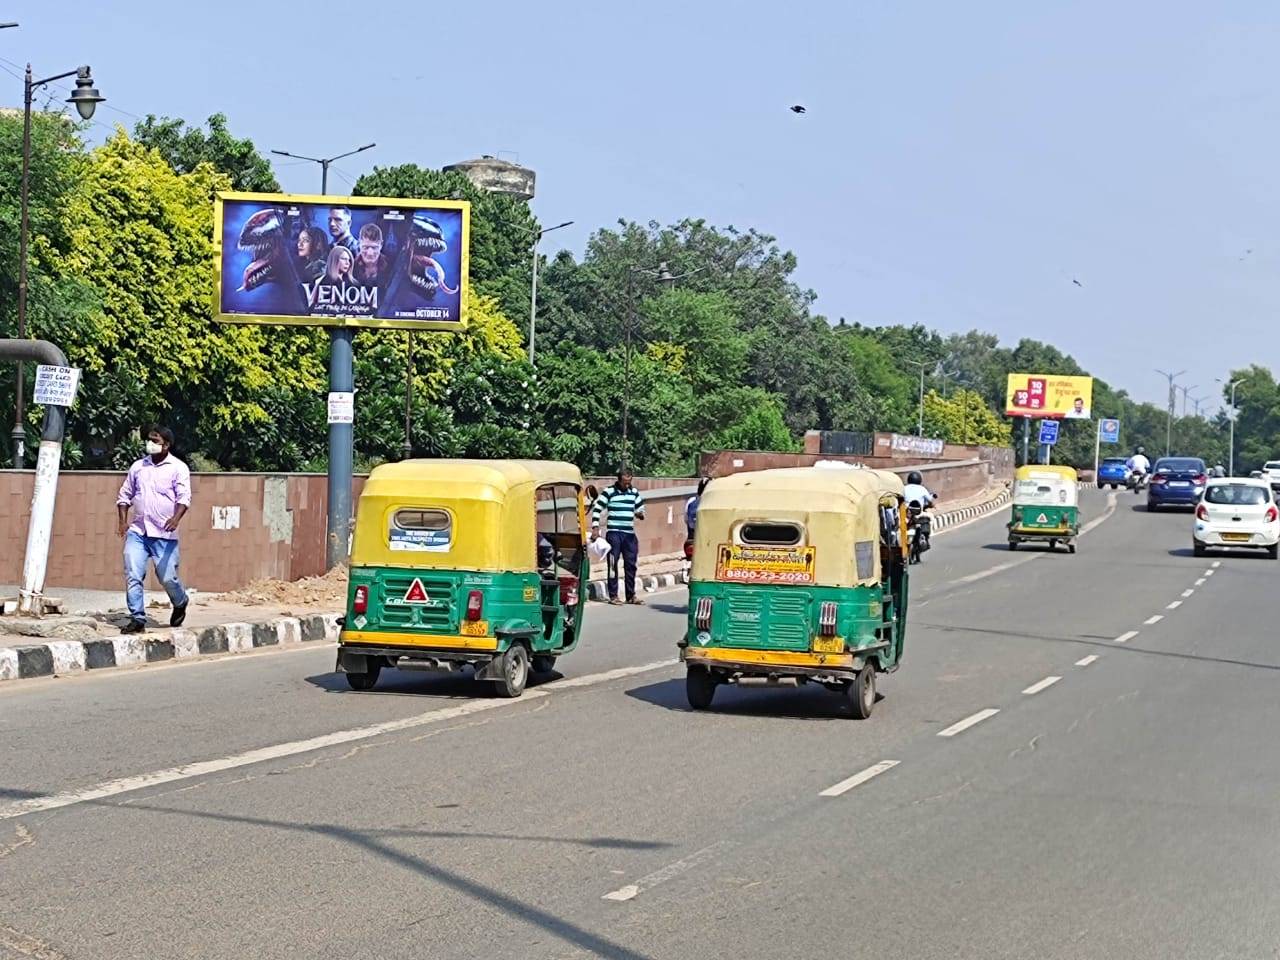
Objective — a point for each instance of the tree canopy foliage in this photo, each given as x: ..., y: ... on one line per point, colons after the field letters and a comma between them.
x: 696, y: 336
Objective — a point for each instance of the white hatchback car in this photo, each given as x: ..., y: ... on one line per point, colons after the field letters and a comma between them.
x: 1237, y: 512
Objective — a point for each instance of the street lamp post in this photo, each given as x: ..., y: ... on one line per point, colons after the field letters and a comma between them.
x: 533, y: 295
x: 1231, y: 441
x: 920, y: 415
x: 665, y: 276
x: 86, y: 99
x: 341, y: 435
x: 1173, y: 404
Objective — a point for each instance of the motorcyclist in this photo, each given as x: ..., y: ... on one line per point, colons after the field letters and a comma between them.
x: 915, y: 493
x: 1139, y: 466
x: 1218, y: 470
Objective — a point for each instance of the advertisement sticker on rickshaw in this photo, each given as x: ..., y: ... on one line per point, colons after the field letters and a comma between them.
x: 429, y: 541
x: 737, y: 563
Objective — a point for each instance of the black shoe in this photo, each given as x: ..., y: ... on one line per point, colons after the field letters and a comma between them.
x: 133, y: 626
x: 179, y: 615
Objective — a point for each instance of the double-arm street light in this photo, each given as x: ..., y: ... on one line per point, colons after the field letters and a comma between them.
x: 86, y: 99
x: 920, y: 417
x: 664, y: 276
x: 341, y: 381
x: 1231, y: 416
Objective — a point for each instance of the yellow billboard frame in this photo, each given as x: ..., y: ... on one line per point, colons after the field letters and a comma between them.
x: 366, y: 323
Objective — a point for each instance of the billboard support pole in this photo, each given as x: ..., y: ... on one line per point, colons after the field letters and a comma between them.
x: 1026, y: 440
x: 341, y: 451
x: 1097, y: 449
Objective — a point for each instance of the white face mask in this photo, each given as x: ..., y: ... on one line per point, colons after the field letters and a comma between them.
x: 153, y: 448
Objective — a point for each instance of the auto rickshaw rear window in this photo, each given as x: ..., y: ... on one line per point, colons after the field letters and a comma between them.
x: 414, y: 528
x: 770, y: 534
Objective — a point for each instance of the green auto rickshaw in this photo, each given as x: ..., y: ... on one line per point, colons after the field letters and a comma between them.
x: 1045, y: 507
x: 800, y: 575
x: 477, y: 564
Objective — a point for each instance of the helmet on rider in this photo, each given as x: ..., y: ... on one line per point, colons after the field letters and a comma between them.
x: 914, y: 477
x: 1141, y: 449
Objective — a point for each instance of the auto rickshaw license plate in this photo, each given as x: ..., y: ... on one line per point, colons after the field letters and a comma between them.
x: 828, y: 644
x: 475, y: 628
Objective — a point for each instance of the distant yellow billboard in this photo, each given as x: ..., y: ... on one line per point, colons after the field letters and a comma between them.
x: 1049, y: 396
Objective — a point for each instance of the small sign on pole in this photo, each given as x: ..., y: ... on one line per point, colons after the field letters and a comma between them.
x: 342, y: 407
x: 1049, y: 432
x: 1109, y: 431
x: 56, y: 386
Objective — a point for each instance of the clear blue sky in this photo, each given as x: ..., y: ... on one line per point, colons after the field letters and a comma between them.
x: 960, y: 163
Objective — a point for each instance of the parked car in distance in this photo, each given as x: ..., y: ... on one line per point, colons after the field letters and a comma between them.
x: 1271, y: 473
x: 1176, y: 481
x: 1112, y: 472
x: 1235, y: 512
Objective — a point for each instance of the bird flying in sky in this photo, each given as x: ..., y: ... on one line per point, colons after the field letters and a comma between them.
x: 797, y: 109
x: 1076, y: 282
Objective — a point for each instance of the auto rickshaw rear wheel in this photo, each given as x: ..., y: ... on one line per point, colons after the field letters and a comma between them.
x: 515, y: 671
x: 699, y: 687
x: 543, y: 663
x: 366, y: 678
x: 858, y: 698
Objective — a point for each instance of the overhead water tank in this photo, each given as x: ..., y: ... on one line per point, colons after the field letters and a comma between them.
x: 497, y: 176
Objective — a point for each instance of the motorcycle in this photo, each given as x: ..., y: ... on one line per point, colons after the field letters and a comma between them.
x: 1137, y: 482
x: 919, y: 527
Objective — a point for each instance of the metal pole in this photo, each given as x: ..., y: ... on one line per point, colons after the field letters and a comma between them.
x: 1231, y: 456
x: 341, y: 436
x: 19, y: 434
x: 408, y: 397
x: 1026, y: 440
x: 1097, y: 449
x: 920, y: 418
x: 324, y: 177
x: 533, y: 299
x: 626, y: 364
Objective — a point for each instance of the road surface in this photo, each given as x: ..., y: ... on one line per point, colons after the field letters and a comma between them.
x: 1053, y: 773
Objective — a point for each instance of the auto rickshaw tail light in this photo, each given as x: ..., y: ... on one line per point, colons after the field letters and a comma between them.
x: 827, y: 618
x: 360, y: 600
x: 702, y: 614
x: 475, y: 605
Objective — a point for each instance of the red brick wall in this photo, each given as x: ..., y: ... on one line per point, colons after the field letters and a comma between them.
x: 85, y: 551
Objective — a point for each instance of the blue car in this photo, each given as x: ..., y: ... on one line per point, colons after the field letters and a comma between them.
x: 1176, y: 481
x: 1112, y: 473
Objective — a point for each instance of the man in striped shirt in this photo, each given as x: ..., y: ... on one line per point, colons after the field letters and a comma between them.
x: 621, y: 505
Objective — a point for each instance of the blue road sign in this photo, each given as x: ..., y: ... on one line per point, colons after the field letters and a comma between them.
x: 1049, y: 431
x: 1109, y: 431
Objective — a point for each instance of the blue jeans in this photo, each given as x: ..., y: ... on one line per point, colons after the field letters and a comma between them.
x: 164, y: 554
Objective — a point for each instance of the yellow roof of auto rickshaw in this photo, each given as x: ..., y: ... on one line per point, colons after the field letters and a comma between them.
x: 495, y: 476
x: 1035, y: 471
x: 814, y: 488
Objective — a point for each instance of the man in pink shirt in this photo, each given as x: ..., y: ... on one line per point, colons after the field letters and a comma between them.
x: 158, y: 489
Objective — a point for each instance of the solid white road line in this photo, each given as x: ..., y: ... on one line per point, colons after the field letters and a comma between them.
x: 1156, y: 619
x: 1126, y: 637
x: 1085, y: 661
x: 1044, y: 684
x: 1187, y: 593
x: 968, y: 722
x: 111, y: 788
x: 844, y: 786
x: 1175, y: 605
x: 1201, y: 582
x: 670, y: 871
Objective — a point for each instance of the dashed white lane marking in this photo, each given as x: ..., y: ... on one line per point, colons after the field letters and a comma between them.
x: 1187, y: 593
x: 1044, y: 684
x: 1209, y: 573
x: 1085, y: 661
x: 1201, y: 582
x: 670, y: 871
x: 1216, y: 563
x: 844, y: 786
x: 968, y: 722
x: 1126, y: 637
x: 1175, y: 605
x: 1152, y: 620
x: 277, y: 751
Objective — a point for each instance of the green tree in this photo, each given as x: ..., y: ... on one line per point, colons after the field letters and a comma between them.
x: 964, y: 417
x: 186, y: 147
x: 141, y: 235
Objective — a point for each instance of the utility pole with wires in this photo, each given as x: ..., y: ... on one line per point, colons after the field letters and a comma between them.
x: 1173, y: 405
